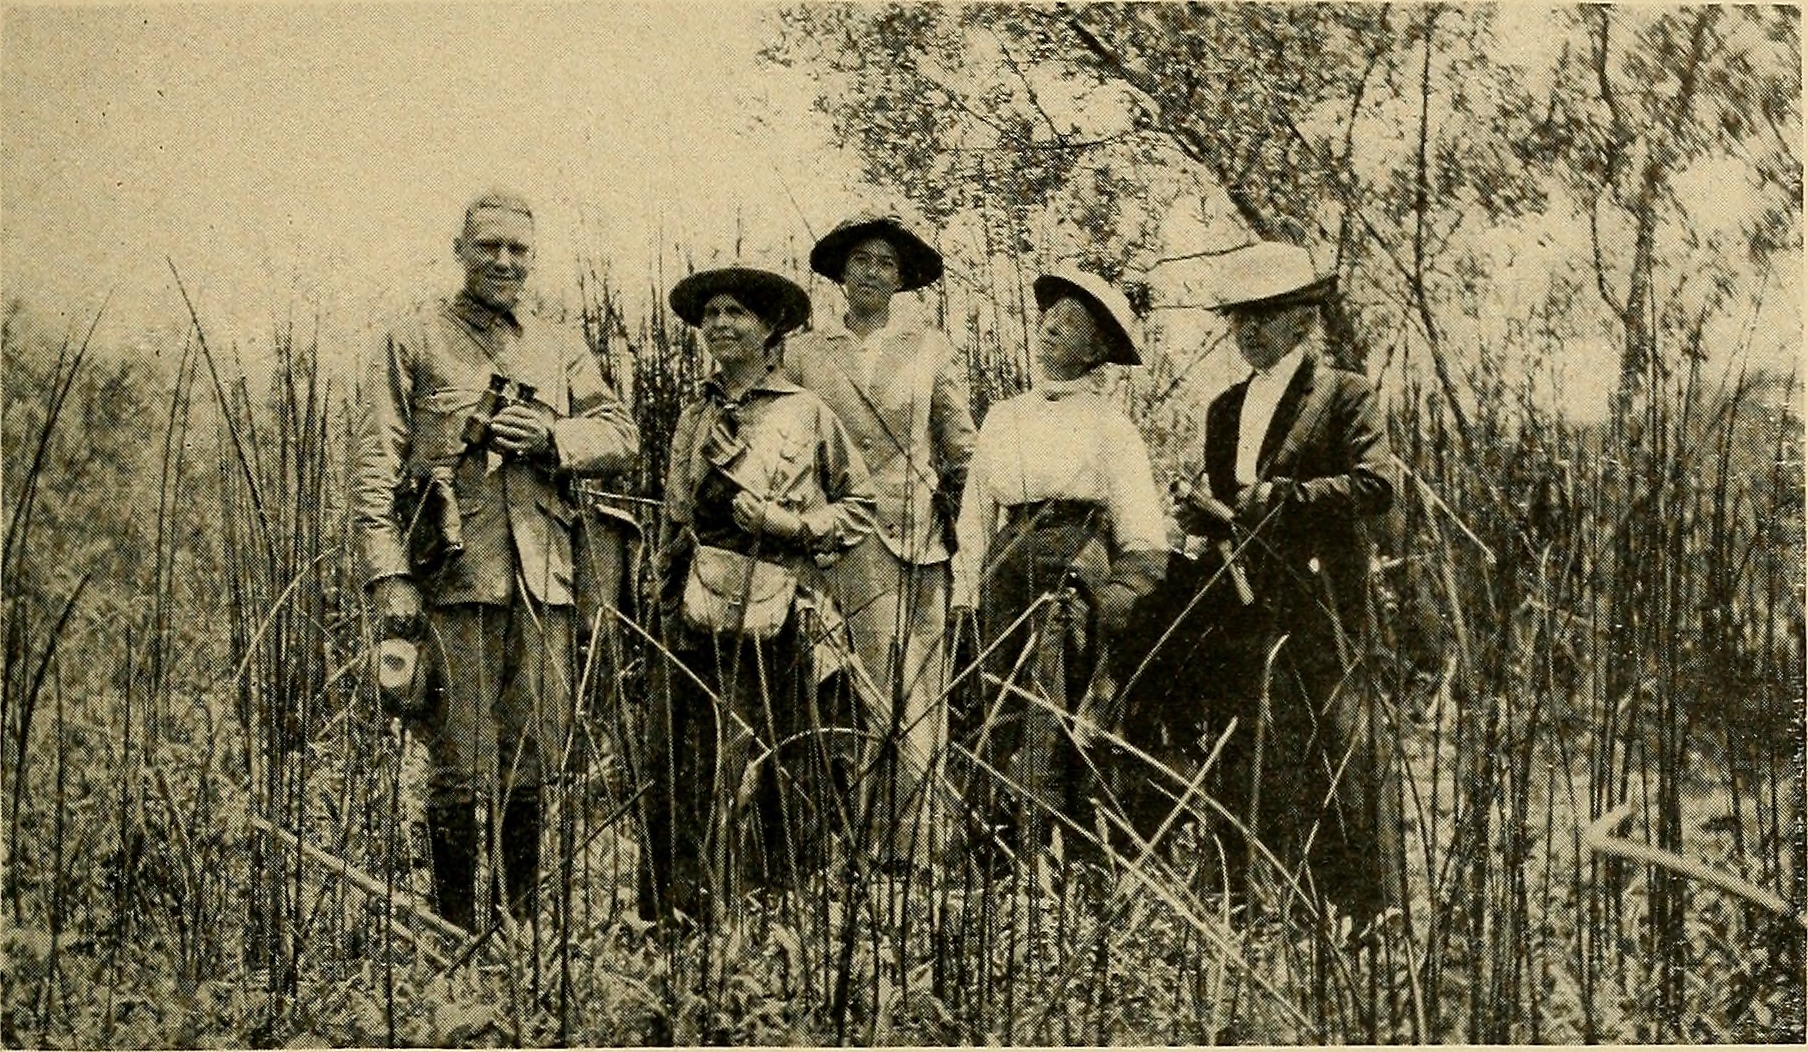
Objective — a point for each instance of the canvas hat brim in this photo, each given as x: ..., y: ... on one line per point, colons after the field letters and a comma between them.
x: 919, y: 264
x: 779, y: 301
x: 1317, y: 292
x: 1109, y: 308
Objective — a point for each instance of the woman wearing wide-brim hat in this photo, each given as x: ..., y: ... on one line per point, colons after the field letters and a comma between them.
x: 1295, y: 471
x: 762, y: 487
x: 1059, y: 496
x: 900, y: 387
x: 919, y: 264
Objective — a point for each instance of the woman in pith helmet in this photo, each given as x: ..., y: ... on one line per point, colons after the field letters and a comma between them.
x: 1060, y: 500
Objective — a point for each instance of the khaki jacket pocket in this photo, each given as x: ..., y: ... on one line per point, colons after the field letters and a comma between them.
x: 439, y: 423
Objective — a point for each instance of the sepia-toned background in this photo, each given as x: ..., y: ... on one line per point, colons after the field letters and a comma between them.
x: 1571, y: 243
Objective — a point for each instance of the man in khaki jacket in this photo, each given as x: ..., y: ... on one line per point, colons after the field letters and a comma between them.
x: 464, y: 523
x: 901, y: 391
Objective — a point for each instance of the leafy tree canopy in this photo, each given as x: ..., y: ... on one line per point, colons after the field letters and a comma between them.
x: 1404, y: 143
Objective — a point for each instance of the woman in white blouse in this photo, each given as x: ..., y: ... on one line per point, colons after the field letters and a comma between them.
x: 1060, y: 501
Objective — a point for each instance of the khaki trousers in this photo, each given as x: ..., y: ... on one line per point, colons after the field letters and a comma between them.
x: 499, y: 723
x: 897, y: 615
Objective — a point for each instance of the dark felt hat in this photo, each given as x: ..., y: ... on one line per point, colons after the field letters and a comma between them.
x: 1270, y: 275
x: 918, y: 263
x: 1110, y: 308
x: 779, y: 301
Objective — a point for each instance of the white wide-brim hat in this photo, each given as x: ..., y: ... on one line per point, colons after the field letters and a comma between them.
x: 1268, y: 275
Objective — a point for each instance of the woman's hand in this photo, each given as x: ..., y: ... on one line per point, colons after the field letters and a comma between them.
x: 766, y: 518
x: 1114, y: 602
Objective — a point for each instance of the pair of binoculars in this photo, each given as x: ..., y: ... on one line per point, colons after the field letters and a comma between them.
x: 438, y: 532
x: 501, y: 393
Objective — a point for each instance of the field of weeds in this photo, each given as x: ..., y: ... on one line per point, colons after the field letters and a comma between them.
x: 1592, y: 677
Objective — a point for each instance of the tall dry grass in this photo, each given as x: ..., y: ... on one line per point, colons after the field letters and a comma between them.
x: 212, y: 833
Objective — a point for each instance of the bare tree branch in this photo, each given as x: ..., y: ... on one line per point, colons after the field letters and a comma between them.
x: 1193, y: 142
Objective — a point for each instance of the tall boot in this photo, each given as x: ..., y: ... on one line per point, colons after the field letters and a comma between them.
x: 452, y: 836
x: 521, y: 854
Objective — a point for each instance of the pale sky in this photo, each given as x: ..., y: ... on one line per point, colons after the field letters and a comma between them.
x: 292, y: 156
x: 313, y: 161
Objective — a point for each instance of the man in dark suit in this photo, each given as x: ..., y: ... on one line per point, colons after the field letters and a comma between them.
x: 1295, y: 461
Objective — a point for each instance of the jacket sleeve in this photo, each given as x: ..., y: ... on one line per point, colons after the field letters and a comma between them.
x: 672, y: 555
x: 951, y: 428
x: 599, y: 437
x: 848, y: 514
x: 1364, y: 486
x: 385, y: 421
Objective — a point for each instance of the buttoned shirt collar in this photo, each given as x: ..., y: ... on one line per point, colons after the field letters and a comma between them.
x: 480, y: 316
x: 773, y: 382
x: 862, y: 358
x: 836, y: 327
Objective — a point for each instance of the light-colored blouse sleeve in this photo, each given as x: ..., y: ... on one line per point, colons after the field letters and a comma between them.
x: 1136, y: 511
x: 978, y: 513
x: 845, y: 516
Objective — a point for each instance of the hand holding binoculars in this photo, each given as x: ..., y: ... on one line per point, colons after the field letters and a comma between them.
x: 437, y: 491
x: 502, y: 393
